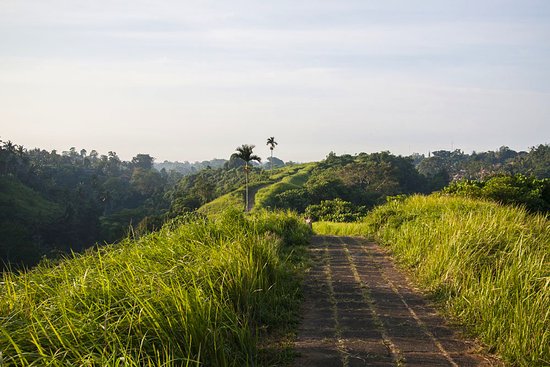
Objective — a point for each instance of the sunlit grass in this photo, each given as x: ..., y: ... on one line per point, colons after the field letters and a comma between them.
x: 194, y: 293
x: 292, y: 181
x: 487, y: 264
x: 341, y: 229
x: 232, y: 200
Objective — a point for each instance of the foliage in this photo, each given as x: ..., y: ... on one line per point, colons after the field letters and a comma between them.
x: 487, y: 264
x: 341, y: 228
x: 188, y: 168
x: 272, y: 143
x: 195, y: 293
x: 246, y: 154
x: 531, y: 192
x: 362, y: 180
x: 66, y: 202
x: 268, y: 197
x: 336, y: 210
x: 443, y: 166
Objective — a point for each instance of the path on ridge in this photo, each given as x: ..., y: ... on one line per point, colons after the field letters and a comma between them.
x: 252, y: 195
x: 359, y: 310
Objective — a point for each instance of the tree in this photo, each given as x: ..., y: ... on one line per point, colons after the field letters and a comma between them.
x: 245, y: 153
x: 143, y: 161
x: 271, y: 142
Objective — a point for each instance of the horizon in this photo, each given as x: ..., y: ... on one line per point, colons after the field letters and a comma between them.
x: 188, y: 81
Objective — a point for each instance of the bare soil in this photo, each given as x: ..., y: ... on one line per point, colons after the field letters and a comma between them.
x: 360, y: 310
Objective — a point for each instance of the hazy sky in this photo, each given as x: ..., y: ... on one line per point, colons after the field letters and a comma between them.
x: 192, y: 80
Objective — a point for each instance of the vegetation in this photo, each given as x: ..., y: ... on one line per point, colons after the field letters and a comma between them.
x: 272, y: 143
x: 444, y: 166
x: 362, y: 180
x: 530, y: 192
x: 66, y: 202
x: 288, y: 179
x: 246, y: 154
x: 197, y: 292
x: 196, y: 190
x: 87, y: 198
x: 187, y: 168
x: 486, y: 263
x: 336, y: 210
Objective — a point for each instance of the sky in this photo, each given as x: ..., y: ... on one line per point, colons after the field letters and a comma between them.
x: 192, y: 80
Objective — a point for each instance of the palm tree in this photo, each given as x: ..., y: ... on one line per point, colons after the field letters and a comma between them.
x: 245, y: 153
x: 271, y: 142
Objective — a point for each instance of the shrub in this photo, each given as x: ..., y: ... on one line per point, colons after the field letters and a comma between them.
x: 336, y: 210
x: 531, y: 192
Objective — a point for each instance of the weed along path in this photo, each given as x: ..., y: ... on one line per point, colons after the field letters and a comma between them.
x: 359, y: 310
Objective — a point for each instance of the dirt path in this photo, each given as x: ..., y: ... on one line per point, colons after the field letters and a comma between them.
x: 252, y: 195
x: 360, y: 311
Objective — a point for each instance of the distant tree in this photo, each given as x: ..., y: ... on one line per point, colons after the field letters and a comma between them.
x: 146, y: 182
x: 143, y: 161
x: 271, y: 142
x: 245, y: 153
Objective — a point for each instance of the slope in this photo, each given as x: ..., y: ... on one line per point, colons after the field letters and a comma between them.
x: 198, y: 292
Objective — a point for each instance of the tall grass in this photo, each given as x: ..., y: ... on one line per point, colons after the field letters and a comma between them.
x: 341, y: 229
x: 488, y: 264
x: 194, y: 293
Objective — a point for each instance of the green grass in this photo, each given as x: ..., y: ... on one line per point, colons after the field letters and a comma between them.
x: 341, y: 229
x: 197, y: 292
x: 280, y: 173
x: 292, y: 180
x: 22, y: 202
x: 232, y: 200
x: 282, y: 179
x: 219, y: 205
x: 487, y: 264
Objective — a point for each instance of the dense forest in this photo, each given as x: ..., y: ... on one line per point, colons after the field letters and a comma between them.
x: 57, y: 202
x: 53, y: 203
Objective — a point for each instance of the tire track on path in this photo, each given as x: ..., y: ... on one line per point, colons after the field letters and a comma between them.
x: 359, y: 310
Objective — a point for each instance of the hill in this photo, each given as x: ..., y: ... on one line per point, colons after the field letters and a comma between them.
x: 19, y: 206
x: 195, y: 293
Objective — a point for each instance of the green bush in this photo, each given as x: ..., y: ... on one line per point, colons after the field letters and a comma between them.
x: 336, y: 210
x: 531, y: 192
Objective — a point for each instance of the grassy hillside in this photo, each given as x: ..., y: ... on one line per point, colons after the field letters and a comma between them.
x: 22, y: 202
x: 234, y: 199
x: 288, y: 180
x: 25, y: 219
x: 280, y: 180
x: 195, y: 293
x: 488, y: 265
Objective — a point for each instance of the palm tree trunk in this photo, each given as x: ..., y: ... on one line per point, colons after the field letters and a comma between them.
x: 246, y: 186
x: 271, y: 160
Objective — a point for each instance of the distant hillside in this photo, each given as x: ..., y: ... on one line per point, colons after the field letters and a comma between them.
x: 344, y: 188
x: 26, y: 220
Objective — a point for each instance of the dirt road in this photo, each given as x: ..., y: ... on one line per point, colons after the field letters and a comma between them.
x: 359, y: 310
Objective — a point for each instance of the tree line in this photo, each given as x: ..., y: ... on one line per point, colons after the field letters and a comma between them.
x: 57, y: 202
